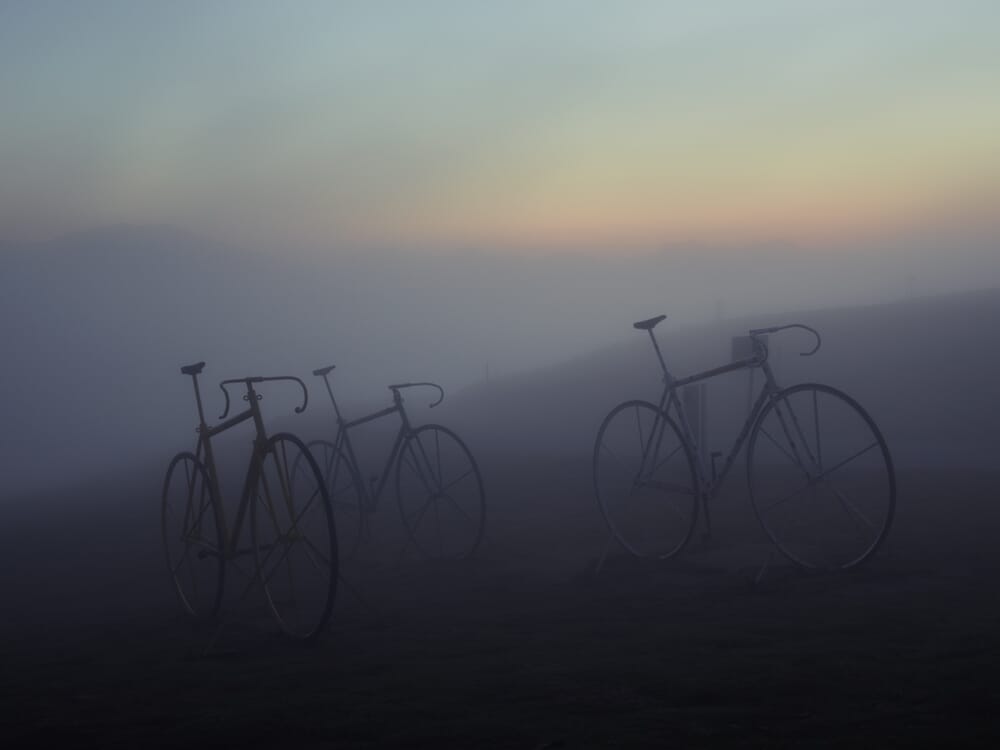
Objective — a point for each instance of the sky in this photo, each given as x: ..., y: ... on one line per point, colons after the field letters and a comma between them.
x: 569, y: 126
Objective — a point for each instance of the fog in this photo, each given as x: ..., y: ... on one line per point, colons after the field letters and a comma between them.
x: 96, y: 326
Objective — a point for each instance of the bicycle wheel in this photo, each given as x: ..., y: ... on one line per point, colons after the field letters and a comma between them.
x: 645, y: 480
x: 821, y: 477
x: 344, y: 488
x: 192, y: 536
x: 440, y: 493
x: 294, y: 538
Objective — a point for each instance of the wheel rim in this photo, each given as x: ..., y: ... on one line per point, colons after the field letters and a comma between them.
x: 821, y: 478
x: 440, y: 494
x: 294, y: 538
x: 343, y: 488
x: 192, y: 537
x: 645, y: 481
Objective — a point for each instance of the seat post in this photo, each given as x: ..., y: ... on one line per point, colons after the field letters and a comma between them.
x: 336, y: 409
x: 659, y: 355
x: 197, y: 398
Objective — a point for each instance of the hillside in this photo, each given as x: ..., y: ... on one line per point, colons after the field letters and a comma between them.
x: 93, y: 329
x: 924, y: 368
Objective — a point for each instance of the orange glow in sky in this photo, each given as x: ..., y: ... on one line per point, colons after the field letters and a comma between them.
x: 464, y: 124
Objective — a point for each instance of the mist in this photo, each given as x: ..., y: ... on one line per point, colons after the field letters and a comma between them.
x: 509, y: 212
x: 98, y: 324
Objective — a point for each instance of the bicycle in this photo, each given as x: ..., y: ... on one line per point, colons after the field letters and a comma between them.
x: 433, y: 469
x: 821, y: 480
x: 292, y: 532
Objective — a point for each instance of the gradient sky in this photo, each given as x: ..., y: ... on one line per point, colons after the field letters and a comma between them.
x: 468, y: 124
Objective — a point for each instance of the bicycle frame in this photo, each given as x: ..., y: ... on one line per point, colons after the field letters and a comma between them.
x: 709, y: 480
x: 204, y: 453
x: 370, y: 497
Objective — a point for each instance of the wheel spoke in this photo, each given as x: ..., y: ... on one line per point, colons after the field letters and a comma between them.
x: 420, y: 514
x: 667, y: 458
x: 287, y: 548
x: 846, y: 461
x: 414, y: 464
x: 647, y: 494
x: 799, y: 433
x: 678, y: 489
x: 437, y: 448
x: 460, y: 509
x: 826, y: 515
x: 615, y: 457
x: 850, y: 508
x: 819, y: 445
x: 437, y: 528
x: 795, y: 461
x: 191, y: 535
x: 197, y: 522
x: 455, y: 481
x: 447, y: 479
x: 305, y: 508
x: 268, y: 502
x: 327, y: 565
x: 427, y: 462
x: 789, y: 496
x: 676, y: 512
x: 638, y: 425
x: 283, y: 481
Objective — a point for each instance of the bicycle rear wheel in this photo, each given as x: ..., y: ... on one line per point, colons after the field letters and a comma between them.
x: 192, y: 536
x: 645, y: 480
x: 821, y: 478
x: 440, y: 493
x: 294, y: 538
x: 344, y: 488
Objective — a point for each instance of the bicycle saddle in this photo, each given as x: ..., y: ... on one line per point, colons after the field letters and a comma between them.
x: 192, y: 369
x: 648, y: 325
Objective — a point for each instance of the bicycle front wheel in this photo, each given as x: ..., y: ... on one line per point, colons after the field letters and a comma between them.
x: 440, y: 493
x: 294, y: 538
x: 821, y: 478
x: 192, y: 536
x: 645, y: 480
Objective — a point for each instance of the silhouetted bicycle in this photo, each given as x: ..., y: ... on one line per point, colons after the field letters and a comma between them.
x: 439, y: 489
x: 293, y: 539
x: 820, y: 475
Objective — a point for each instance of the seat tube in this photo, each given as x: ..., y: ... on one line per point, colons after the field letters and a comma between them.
x: 659, y: 356
x: 336, y: 409
x: 197, y: 399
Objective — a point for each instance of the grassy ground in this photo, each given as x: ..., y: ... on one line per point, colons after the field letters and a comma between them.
x: 525, y: 646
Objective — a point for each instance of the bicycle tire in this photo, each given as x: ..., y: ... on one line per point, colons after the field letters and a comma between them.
x: 189, y: 499
x: 816, y: 522
x: 282, y: 514
x: 435, y: 469
x: 343, y: 485
x: 651, y: 512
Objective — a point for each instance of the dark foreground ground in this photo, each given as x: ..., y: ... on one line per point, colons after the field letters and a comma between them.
x: 522, y: 647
